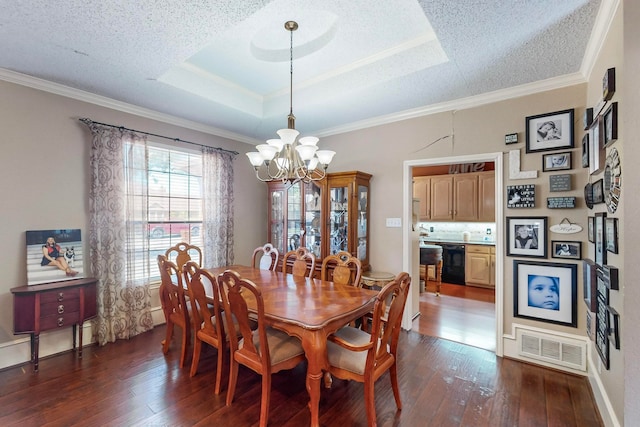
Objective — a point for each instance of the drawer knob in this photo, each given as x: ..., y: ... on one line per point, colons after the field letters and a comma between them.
x: 60, y: 309
x: 60, y: 296
x: 60, y: 321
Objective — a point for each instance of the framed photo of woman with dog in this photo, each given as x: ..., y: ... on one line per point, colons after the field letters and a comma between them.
x: 54, y: 255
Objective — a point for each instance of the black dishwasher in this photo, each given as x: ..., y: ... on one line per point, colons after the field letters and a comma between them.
x: 453, y: 263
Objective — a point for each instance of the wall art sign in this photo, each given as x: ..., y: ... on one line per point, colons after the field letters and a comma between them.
x: 54, y: 255
x: 560, y: 183
x: 550, y: 131
x: 561, y: 202
x: 514, y: 167
x: 565, y: 227
x: 521, y: 196
x: 511, y: 138
x: 546, y: 291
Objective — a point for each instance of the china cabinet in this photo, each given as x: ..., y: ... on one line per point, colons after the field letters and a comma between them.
x: 326, y: 216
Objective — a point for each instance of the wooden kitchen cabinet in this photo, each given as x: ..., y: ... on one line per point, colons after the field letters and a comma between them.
x: 487, y: 196
x: 442, y: 197
x: 479, y: 265
x: 326, y: 216
x: 56, y: 305
x: 465, y: 197
x: 422, y: 192
x: 492, y: 279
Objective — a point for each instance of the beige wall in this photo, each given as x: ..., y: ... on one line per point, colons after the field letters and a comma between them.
x: 44, y: 179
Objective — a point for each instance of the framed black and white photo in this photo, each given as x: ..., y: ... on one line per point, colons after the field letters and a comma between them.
x: 587, y: 118
x: 610, y: 125
x: 550, y: 131
x: 589, y: 283
x: 585, y: 150
x: 611, y: 234
x: 566, y: 249
x: 527, y: 236
x: 597, y: 189
x: 521, y: 196
x: 609, y: 84
x: 599, y: 239
x: 556, y: 161
x: 596, y: 152
x: 590, y: 228
x: 546, y: 291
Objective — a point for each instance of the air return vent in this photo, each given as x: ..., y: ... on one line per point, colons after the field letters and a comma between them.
x: 555, y: 349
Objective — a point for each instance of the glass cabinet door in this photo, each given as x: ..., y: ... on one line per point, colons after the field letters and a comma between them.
x: 338, y: 219
x: 313, y: 218
x: 363, y: 202
x: 294, y: 217
x: 276, y: 225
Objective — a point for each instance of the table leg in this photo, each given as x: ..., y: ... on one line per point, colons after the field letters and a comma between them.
x: 35, y: 350
x: 315, y: 349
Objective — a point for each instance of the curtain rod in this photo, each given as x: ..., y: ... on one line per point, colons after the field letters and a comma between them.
x: 88, y: 121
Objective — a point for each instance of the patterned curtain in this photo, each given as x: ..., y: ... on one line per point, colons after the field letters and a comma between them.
x: 218, y: 207
x: 118, y: 244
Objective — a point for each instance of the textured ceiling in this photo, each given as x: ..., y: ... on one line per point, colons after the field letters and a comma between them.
x: 225, y: 64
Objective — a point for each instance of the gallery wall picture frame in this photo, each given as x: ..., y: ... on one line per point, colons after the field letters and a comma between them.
x: 611, y: 234
x: 521, y: 196
x: 608, y: 84
x: 587, y: 118
x: 591, y: 228
x: 546, y: 291
x: 556, y: 161
x: 585, y: 150
x: 549, y: 131
x: 566, y: 249
x: 589, y: 283
x: 596, y: 152
x: 588, y: 195
x: 610, y: 277
x: 64, y: 245
x: 610, y: 120
x: 599, y: 239
x: 597, y: 190
x: 614, y: 327
x: 612, y: 180
x: 527, y: 236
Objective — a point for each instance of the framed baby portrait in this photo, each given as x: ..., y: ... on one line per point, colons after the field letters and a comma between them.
x: 550, y: 131
x: 566, y: 249
x: 556, y: 161
x: 527, y: 236
x: 546, y: 291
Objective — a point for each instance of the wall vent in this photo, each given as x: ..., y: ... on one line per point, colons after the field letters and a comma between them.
x: 555, y: 349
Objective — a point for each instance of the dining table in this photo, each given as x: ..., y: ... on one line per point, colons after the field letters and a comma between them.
x: 308, y: 308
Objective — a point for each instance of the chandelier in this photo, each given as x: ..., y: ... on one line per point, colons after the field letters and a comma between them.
x: 285, y: 159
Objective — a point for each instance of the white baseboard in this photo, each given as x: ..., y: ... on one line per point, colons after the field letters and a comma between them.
x: 18, y: 351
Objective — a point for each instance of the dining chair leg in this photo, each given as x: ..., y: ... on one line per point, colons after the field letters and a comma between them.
x: 233, y: 376
x: 219, y: 369
x: 167, y: 339
x: 370, y: 402
x: 393, y: 374
x: 195, y: 359
x: 185, y: 343
x: 266, y: 397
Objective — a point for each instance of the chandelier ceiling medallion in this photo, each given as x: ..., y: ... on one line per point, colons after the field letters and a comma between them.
x: 285, y: 159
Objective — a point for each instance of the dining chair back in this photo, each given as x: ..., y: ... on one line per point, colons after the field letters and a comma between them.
x: 360, y: 356
x: 174, y: 305
x: 342, y: 268
x: 300, y: 262
x: 266, y: 257
x: 209, y: 326
x: 265, y: 351
x: 183, y: 252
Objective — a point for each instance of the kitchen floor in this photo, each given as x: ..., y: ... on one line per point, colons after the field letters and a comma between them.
x: 464, y: 314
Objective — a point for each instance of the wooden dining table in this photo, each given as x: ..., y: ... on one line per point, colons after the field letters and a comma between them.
x: 310, y: 309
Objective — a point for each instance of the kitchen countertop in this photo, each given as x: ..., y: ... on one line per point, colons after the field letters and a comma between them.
x: 458, y: 241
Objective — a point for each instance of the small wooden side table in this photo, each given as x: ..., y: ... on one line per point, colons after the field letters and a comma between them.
x: 55, y: 305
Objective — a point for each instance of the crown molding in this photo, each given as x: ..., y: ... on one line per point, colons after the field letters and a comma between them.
x: 462, y: 103
x: 103, y: 101
x: 601, y: 27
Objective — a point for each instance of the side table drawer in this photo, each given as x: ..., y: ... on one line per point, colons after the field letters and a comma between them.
x: 61, y: 295
x: 54, y: 308
x: 59, y: 321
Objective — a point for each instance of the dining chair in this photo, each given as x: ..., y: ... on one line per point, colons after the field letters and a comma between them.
x: 174, y: 305
x: 356, y: 355
x: 300, y: 262
x: 269, y: 258
x: 265, y: 351
x: 206, y: 316
x: 342, y: 268
x: 183, y: 252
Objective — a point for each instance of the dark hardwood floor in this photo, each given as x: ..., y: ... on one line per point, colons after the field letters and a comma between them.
x: 443, y: 383
x: 463, y: 314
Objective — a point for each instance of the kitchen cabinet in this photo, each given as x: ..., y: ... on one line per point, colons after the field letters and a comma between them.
x: 480, y: 265
x: 457, y: 197
x: 326, y: 216
x: 422, y: 192
x: 487, y: 196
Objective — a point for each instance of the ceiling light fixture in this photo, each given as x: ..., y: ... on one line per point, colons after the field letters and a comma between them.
x: 285, y: 159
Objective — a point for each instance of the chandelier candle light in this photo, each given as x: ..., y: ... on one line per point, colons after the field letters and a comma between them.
x: 284, y: 159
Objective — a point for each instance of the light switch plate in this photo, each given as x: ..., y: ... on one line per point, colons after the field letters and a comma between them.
x: 394, y: 222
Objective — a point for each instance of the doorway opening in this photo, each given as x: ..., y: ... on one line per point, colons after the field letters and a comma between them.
x: 410, y: 246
